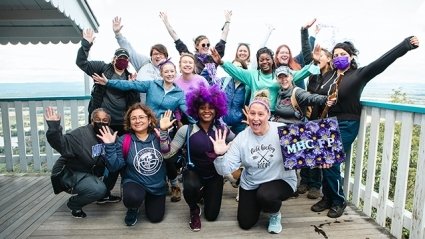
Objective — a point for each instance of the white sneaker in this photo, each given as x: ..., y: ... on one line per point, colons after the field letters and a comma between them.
x: 275, y: 225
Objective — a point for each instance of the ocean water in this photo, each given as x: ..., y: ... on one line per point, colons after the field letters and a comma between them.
x: 373, y: 91
x: 41, y: 89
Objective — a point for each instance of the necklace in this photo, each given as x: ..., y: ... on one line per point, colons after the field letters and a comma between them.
x: 331, y: 78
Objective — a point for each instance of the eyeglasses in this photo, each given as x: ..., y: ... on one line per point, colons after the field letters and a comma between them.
x: 205, y: 45
x: 105, y: 120
x: 140, y: 117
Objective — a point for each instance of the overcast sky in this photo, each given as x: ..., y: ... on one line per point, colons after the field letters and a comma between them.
x: 373, y: 26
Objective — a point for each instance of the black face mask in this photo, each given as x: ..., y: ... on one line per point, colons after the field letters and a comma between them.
x: 97, y: 126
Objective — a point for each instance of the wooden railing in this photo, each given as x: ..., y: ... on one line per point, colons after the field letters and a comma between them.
x: 23, y: 130
x: 379, y: 177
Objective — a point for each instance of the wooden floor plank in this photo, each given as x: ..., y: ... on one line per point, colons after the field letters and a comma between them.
x: 24, y: 201
x: 50, y: 218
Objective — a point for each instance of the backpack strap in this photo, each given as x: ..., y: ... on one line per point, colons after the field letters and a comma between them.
x: 294, y: 101
x: 126, y: 145
x: 188, y: 161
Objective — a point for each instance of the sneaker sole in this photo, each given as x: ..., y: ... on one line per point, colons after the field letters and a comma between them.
x: 275, y: 232
x: 194, y: 230
x: 175, y: 199
x: 105, y: 202
x: 129, y: 225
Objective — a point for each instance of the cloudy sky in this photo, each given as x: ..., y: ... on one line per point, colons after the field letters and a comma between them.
x: 373, y: 26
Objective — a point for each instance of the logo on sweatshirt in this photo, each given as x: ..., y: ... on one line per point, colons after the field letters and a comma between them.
x: 262, y: 154
x: 148, y: 161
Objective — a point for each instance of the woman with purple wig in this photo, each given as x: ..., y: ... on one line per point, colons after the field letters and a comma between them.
x: 206, y: 105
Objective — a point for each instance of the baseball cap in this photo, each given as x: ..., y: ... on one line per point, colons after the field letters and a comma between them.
x: 121, y: 52
x: 284, y: 70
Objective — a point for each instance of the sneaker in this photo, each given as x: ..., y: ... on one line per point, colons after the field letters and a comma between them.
x: 175, y: 194
x: 303, y: 188
x: 195, y: 220
x: 321, y: 205
x: 314, y: 193
x: 109, y: 199
x: 131, y: 217
x: 337, y: 210
x: 275, y: 225
x: 78, y: 213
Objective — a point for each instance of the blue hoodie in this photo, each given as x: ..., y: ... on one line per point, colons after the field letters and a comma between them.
x: 144, y: 164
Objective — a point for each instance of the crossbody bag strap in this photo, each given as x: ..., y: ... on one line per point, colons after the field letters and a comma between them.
x: 334, y: 94
x: 294, y: 101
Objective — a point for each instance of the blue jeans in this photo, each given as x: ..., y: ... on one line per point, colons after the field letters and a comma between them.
x: 332, y: 180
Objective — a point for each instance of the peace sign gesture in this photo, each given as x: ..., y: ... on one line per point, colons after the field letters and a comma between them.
x: 220, y: 146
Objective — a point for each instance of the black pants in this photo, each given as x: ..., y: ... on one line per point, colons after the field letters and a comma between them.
x: 134, y: 195
x: 311, y: 177
x: 267, y: 197
x: 212, y: 192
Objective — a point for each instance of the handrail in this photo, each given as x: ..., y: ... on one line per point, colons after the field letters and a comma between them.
x: 385, y: 140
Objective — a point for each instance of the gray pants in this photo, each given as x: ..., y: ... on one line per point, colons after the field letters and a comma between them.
x: 88, y: 189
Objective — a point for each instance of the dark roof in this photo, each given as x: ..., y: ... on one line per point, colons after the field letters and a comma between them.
x: 44, y: 21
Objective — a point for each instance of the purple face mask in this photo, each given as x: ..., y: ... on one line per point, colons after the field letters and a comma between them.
x: 121, y: 63
x: 341, y: 62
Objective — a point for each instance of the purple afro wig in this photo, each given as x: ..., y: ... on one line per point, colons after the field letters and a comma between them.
x: 206, y: 94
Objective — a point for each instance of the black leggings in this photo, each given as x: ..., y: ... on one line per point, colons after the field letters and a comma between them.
x: 267, y: 197
x: 172, y: 166
x: 212, y: 191
x: 134, y: 195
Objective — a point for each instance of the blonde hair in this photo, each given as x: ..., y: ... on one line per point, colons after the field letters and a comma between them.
x: 183, y: 54
x: 262, y: 97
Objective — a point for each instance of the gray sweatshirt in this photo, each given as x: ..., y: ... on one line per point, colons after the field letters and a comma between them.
x: 260, y: 155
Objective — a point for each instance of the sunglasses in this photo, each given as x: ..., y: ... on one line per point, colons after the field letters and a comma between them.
x: 205, y: 45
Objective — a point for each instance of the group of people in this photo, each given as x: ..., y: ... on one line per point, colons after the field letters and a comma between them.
x: 150, y: 126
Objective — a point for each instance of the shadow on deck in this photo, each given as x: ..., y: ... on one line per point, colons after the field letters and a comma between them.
x: 29, y: 209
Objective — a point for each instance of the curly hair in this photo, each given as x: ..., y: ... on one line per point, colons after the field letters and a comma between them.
x: 206, y: 94
x: 146, y: 110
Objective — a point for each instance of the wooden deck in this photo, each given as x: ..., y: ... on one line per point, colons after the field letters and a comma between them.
x: 29, y: 209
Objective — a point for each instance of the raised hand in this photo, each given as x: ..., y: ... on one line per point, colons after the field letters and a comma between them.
x: 116, y: 25
x: 245, y: 112
x: 316, y: 53
x: 215, y: 56
x: 165, y: 122
x: 220, y: 146
x: 132, y: 76
x: 414, y: 41
x: 270, y: 27
x: 51, y: 115
x: 228, y: 15
x: 106, y: 136
x: 164, y: 17
x: 88, y: 34
x: 309, y: 24
x: 100, y: 80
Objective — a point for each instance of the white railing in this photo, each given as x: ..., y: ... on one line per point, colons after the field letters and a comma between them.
x: 383, y: 128
x: 23, y: 130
